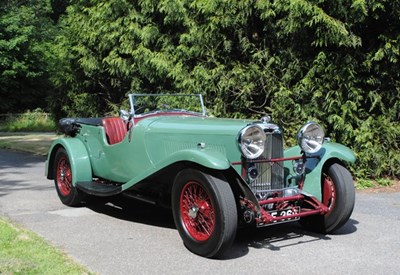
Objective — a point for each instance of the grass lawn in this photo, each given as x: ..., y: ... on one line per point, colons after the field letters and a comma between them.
x: 23, y: 252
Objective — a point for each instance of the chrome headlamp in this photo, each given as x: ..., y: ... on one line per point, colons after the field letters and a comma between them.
x: 310, y: 137
x: 251, y: 141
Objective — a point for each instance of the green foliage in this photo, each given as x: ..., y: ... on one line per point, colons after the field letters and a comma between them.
x: 364, y: 183
x: 25, y: 54
x: 335, y: 62
x: 332, y: 62
x: 30, y: 121
x: 384, y: 182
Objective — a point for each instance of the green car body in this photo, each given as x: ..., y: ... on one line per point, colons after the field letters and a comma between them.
x: 158, y: 142
x: 158, y: 146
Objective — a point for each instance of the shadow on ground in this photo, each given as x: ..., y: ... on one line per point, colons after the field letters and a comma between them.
x: 273, y: 238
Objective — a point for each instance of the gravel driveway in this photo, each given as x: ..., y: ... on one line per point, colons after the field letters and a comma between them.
x: 113, y: 236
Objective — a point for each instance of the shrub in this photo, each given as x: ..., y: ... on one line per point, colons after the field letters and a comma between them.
x: 30, y: 121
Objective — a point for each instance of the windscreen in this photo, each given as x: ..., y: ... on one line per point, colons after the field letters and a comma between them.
x: 142, y: 104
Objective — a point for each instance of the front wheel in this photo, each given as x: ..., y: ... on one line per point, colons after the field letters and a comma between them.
x: 204, y: 211
x: 338, y: 194
x: 66, y: 191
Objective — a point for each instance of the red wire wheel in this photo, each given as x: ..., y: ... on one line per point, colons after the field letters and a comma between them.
x: 197, y: 211
x: 329, y: 194
x: 205, y: 212
x: 66, y: 191
x: 64, y: 176
x: 338, y: 194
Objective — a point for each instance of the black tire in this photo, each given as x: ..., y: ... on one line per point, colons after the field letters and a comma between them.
x: 338, y: 194
x: 205, y: 212
x: 66, y: 191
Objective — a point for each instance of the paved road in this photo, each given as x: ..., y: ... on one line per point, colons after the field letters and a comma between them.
x: 129, y: 237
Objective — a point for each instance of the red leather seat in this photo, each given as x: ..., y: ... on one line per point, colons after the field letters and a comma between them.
x: 115, y: 129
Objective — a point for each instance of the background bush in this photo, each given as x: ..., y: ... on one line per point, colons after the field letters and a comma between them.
x: 335, y: 62
x: 30, y: 121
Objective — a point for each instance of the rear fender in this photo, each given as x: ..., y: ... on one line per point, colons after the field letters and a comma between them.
x: 78, y: 158
x: 329, y: 153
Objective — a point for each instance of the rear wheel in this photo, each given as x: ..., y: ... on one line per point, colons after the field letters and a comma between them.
x: 338, y: 194
x: 204, y: 211
x: 67, y: 193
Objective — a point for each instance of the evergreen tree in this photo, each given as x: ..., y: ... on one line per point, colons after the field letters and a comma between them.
x: 335, y: 62
x: 25, y: 54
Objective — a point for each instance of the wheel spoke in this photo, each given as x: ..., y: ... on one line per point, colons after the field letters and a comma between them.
x: 64, y: 177
x: 197, y: 211
x: 329, y: 193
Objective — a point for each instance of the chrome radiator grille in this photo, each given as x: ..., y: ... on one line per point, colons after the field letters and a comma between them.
x: 270, y: 174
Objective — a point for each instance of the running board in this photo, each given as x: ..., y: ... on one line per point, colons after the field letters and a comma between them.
x: 99, y: 189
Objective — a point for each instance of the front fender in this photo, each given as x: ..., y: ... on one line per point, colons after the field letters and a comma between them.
x: 210, y: 159
x: 78, y: 158
x: 332, y: 152
x: 206, y: 158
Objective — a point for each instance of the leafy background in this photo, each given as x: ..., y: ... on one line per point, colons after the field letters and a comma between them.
x: 335, y: 62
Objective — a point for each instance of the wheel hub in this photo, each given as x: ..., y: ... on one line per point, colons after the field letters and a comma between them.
x: 62, y: 174
x: 64, y: 177
x: 197, y: 211
x: 193, y: 212
x: 329, y: 194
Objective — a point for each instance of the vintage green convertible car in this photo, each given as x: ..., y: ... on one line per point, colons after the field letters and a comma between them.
x: 216, y: 174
